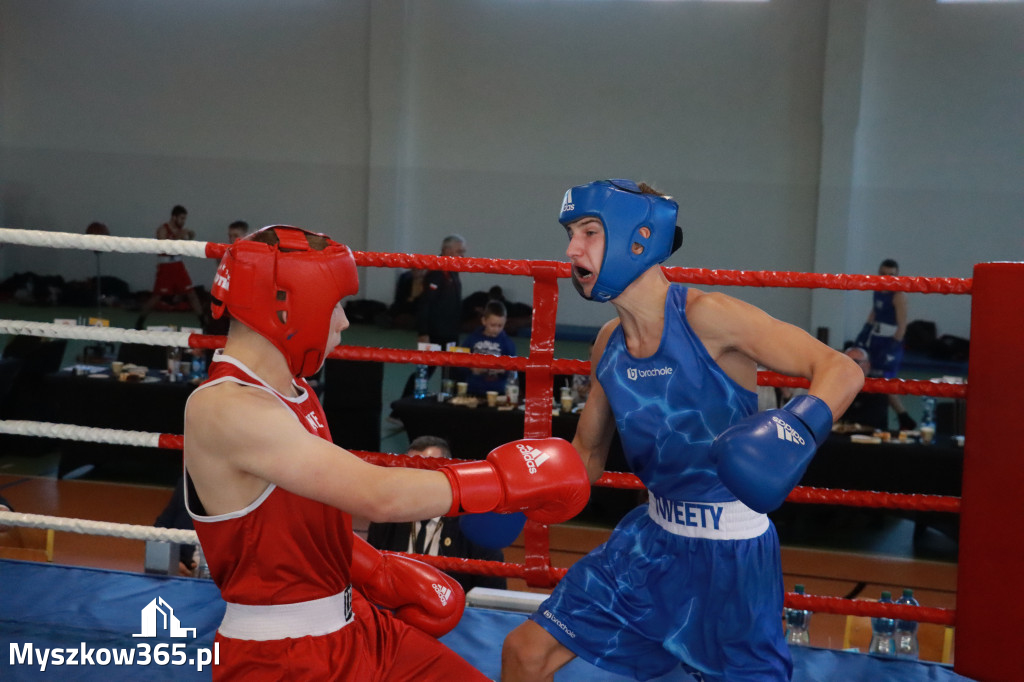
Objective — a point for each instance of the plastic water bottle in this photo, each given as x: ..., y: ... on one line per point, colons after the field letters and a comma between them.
x: 906, y: 630
x: 929, y: 412
x: 202, y: 569
x: 198, y: 367
x: 927, y: 425
x: 883, y: 641
x: 797, y: 623
x: 420, y: 385
x: 512, y: 387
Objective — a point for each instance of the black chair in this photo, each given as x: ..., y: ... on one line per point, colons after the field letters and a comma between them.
x: 10, y: 368
x: 26, y: 360
x: 154, y: 357
x: 353, y: 395
x: 869, y: 409
x: 36, y: 357
x: 40, y: 355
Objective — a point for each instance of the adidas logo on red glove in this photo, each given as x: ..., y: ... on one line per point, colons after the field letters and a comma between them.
x: 534, y: 457
x: 443, y: 593
x: 416, y: 592
x: 552, y: 494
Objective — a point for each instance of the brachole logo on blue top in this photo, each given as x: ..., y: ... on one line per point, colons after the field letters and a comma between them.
x: 632, y: 373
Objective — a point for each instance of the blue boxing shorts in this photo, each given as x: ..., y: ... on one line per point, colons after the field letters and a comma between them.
x: 886, y: 356
x: 651, y: 598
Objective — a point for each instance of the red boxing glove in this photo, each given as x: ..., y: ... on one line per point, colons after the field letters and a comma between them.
x: 543, y: 477
x: 418, y: 593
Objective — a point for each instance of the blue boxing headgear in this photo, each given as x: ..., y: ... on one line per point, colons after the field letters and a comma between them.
x: 624, y: 209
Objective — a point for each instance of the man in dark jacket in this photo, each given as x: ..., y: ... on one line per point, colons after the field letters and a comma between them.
x: 439, y: 308
x: 440, y: 536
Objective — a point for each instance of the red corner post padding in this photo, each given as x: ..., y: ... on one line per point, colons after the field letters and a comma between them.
x: 990, y: 602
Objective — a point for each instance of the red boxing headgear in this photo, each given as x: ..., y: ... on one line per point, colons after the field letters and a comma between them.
x: 286, y: 292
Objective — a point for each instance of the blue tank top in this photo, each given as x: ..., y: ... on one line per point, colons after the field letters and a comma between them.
x: 885, y: 311
x: 670, y: 406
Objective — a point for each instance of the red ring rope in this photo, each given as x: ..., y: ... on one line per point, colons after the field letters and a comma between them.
x: 541, y: 364
x: 989, y: 556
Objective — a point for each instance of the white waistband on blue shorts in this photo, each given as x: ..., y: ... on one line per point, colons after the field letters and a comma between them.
x: 884, y: 329
x: 709, y: 520
x: 264, y: 622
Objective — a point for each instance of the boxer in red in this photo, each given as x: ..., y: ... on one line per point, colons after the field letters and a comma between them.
x: 272, y: 498
x: 171, y: 276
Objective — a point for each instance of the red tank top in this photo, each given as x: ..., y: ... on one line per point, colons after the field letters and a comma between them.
x: 282, y: 548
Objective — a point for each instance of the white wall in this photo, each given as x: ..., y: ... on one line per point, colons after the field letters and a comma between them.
x: 117, y: 110
x: 939, y: 168
x: 807, y: 135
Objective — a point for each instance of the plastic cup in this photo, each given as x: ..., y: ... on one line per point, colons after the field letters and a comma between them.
x: 492, y: 398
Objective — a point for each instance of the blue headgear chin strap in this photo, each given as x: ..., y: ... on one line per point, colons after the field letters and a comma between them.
x: 624, y: 209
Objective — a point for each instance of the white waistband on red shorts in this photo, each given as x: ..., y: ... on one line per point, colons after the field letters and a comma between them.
x: 709, y: 520
x: 263, y: 622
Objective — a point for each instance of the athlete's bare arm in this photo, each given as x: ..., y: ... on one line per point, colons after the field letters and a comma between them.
x: 596, y: 427
x: 740, y: 336
x: 239, y: 439
x: 899, y: 304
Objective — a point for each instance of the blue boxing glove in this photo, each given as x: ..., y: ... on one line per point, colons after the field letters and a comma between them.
x: 864, y: 337
x: 762, y: 458
x: 491, y: 529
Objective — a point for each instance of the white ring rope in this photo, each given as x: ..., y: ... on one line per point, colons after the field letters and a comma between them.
x: 93, y: 434
x: 86, y: 527
x: 99, y: 242
x: 88, y: 333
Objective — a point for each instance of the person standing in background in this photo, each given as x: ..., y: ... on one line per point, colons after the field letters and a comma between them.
x: 237, y: 230
x: 882, y: 336
x: 172, y: 278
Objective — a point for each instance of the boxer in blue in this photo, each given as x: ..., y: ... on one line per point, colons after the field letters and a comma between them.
x: 882, y: 337
x: 693, y: 578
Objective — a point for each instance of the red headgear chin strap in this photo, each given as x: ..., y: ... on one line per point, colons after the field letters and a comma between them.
x: 286, y: 292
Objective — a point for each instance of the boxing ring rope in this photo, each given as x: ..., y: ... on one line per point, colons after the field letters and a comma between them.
x: 989, y: 558
x: 609, y: 479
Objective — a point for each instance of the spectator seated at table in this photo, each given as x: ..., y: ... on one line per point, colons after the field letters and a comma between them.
x: 490, y: 339
x: 517, y: 314
x: 441, y: 536
x: 408, y: 290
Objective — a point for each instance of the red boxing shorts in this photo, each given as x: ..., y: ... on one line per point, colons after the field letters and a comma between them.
x: 375, y: 645
x: 172, y: 279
